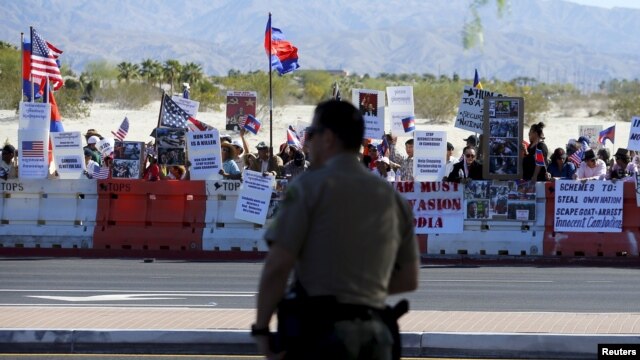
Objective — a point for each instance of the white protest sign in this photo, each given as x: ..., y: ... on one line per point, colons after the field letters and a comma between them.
x: 204, y: 154
x: 634, y: 134
x: 592, y: 132
x: 371, y: 105
x: 34, y: 115
x: 33, y: 149
x: 401, y: 106
x: 471, y: 109
x: 254, y: 197
x: 68, y: 154
x: 437, y: 206
x: 105, y: 146
x: 592, y: 206
x: 429, y: 153
x: 189, y: 106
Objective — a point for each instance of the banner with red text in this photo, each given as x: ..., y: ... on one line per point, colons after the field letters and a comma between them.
x: 437, y: 206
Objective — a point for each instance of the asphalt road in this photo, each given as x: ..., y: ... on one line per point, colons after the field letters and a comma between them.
x: 114, y: 282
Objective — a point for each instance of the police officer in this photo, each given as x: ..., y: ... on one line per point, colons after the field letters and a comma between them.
x: 350, y: 238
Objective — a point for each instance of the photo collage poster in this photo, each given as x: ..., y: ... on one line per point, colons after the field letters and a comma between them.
x: 128, y: 160
x: 240, y: 104
x: 170, y: 145
x: 503, y: 124
x: 500, y: 200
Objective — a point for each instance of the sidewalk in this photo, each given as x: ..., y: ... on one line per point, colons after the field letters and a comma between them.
x: 210, y: 331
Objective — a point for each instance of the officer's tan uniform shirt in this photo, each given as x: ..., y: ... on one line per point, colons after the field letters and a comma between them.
x: 348, y: 228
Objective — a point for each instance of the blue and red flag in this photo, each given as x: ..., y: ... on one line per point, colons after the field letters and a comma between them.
x: 252, y: 124
x: 540, y: 158
x: 383, y: 146
x: 608, y: 133
x: 56, y: 119
x: 292, y: 138
x: 283, y: 55
x: 476, y: 81
x: 409, y: 124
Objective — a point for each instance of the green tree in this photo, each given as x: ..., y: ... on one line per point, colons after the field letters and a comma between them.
x: 472, y: 32
x: 128, y: 71
x: 10, y: 77
x: 191, y: 73
x: 436, y: 100
x: 171, y: 71
x: 151, y: 70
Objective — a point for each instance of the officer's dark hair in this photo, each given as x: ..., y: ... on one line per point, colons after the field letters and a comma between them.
x: 344, y: 120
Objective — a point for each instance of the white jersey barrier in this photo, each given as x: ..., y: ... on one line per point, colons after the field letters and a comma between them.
x: 494, y: 237
x: 48, y: 213
x: 223, y: 232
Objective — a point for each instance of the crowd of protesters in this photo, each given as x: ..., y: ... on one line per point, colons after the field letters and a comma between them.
x: 576, y: 161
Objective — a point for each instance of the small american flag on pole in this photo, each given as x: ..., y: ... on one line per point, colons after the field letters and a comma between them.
x: 32, y: 149
x: 100, y: 172
x: 123, y: 130
x: 576, y: 157
x: 43, y: 61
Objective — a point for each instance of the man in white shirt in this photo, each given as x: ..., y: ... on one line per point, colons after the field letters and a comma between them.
x: 591, y: 168
x: 8, y: 166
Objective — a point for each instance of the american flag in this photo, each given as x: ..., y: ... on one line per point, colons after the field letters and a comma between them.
x: 172, y: 114
x: 32, y: 149
x: 43, y: 61
x: 100, y: 172
x: 123, y: 130
x: 576, y: 157
x: 197, y: 125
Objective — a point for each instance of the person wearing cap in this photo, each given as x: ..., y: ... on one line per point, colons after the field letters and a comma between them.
x: 345, y: 261
x: 239, y: 154
x: 91, y: 146
x: 383, y: 169
x: 623, y: 167
x: 295, y: 166
x: 266, y: 164
x: 472, y: 140
x: 9, y: 163
x: 90, y: 165
x: 591, y: 167
x: 230, y: 170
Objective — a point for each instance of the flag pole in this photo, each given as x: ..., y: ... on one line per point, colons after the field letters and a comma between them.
x: 33, y: 95
x: 21, y: 65
x: 161, y: 109
x: 270, y: 93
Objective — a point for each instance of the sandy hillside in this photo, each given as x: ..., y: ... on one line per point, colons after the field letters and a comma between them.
x: 105, y: 119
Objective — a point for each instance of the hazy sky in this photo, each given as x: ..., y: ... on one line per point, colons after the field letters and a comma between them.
x: 610, y: 3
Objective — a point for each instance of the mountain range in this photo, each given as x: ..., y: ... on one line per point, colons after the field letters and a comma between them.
x: 551, y: 40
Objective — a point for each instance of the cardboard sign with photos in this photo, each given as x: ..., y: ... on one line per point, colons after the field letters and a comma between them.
x: 503, y: 122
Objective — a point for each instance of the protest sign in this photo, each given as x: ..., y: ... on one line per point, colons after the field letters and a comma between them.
x: 471, y: 109
x: 189, y: 106
x: 371, y: 105
x: 254, y: 197
x: 437, y: 206
x: 34, y: 115
x: 204, y: 155
x: 401, y: 106
x: 500, y: 200
x: 429, y: 152
x: 591, y: 132
x: 592, y: 206
x: 634, y: 134
x: 240, y: 104
x: 33, y: 150
x: 503, y: 128
x: 170, y: 144
x: 68, y: 155
x: 128, y: 159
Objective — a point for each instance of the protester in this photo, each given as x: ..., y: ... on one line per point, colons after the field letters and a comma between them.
x: 9, y: 163
x: 605, y: 155
x: 383, y: 169
x: 296, y: 166
x: 91, y: 145
x: 239, y: 158
x: 286, y: 152
x: 152, y: 171
x: 591, y: 168
x: 404, y: 169
x: 468, y: 169
x: 177, y: 172
x: 623, y: 167
x: 90, y: 165
x: 266, y: 164
x: 559, y: 167
x: 347, y: 261
x: 230, y: 170
x: 530, y: 170
x: 451, y: 160
x: 373, y: 155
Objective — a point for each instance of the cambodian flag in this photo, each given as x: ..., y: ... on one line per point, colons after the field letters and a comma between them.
x: 252, y: 124
x: 476, y: 81
x: 283, y: 55
x: 409, y: 124
x: 540, y: 158
x: 608, y: 133
x: 383, y: 146
x: 292, y: 138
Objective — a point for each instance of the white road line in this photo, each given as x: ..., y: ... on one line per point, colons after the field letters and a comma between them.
x: 176, y: 292
x: 495, y: 281
x: 132, y: 297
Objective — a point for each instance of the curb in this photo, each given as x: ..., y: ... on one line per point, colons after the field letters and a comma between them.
x: 239, y: 342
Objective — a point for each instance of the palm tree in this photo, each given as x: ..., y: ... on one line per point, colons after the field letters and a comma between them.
x: 171, y: 71
x: 191, y: 73
x: 151, y: 70
x: 128, y: 71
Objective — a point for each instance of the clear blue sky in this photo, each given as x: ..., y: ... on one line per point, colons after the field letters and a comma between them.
x: 610, y: 3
